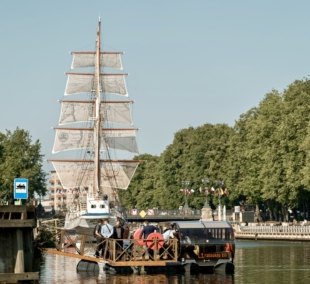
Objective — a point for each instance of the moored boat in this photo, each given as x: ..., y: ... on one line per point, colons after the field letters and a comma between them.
x: 206, y: 245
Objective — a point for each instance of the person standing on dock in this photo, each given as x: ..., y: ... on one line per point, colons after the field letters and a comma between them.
x: 106, y: 229
x: 146, y: 231
x: 118, y: 234
x: 106, y: 232
x: 98, y: 236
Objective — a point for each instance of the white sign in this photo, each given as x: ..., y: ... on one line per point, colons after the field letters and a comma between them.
x: 150, y: 212
x: 21, y: 188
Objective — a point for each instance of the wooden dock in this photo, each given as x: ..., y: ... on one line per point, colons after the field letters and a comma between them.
x: 115, y: 255
x: 16, y: 232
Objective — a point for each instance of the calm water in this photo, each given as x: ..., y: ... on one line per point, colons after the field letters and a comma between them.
x: 256, y: 262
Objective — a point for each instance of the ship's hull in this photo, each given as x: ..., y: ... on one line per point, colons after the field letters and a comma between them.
x: 89, y: 220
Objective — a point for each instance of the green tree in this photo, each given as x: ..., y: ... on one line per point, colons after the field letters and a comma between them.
x: 19, y: 157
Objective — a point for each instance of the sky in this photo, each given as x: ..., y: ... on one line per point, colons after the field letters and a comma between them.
x: 190, y: 62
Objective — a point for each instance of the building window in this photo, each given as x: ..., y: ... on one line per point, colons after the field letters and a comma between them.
x: 102, y: 206
x: 93, y: 206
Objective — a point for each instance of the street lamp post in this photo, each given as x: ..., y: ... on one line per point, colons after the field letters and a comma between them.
x: 206, y: 181
x: 186, y: 183
x: 219, y: 184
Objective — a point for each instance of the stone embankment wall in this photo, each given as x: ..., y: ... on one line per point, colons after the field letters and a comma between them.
x: 283, y: 232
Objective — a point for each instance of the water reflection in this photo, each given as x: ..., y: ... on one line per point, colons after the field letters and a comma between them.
x: 256, y: 262
x: 59, y: 269
x: 272, y: 262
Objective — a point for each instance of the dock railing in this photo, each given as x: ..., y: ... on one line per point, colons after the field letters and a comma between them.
x: 275, y: 229
x: 122, y: 252
x: 164, y: 212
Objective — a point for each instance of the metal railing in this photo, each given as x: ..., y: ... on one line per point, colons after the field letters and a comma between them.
x: 163, y: 212
x: 275, y: 229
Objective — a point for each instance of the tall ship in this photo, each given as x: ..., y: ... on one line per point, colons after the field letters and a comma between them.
x: 95, y: 128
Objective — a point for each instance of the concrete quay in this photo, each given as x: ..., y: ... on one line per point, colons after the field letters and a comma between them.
x: 284, y: 232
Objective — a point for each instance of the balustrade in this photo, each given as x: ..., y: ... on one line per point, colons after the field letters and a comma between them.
x: 275, y: 229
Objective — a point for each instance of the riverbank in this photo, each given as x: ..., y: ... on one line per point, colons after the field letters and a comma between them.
x: 281, y: 233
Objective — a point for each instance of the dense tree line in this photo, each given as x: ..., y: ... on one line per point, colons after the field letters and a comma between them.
x: 264, y: 159
x: 20, y: 158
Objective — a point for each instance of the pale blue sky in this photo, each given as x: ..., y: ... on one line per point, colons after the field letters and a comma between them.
x: 190, y: 62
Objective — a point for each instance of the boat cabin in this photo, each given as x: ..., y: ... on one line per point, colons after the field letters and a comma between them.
x: 206, y: 243
x: 96, y: 207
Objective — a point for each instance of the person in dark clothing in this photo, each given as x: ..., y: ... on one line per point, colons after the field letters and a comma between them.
x: 118, y: 234
x: 126, y: 232
x: 146, y: 231
x: 98, y: 236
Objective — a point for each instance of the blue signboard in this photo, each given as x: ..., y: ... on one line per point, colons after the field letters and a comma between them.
x: 20, y: 188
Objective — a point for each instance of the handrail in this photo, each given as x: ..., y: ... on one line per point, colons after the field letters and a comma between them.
x: 276, y: 229
x: 119, y: 250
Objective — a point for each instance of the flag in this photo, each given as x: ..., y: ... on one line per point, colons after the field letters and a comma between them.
x: 200, y: 189
x: 213, y: 190
x: 207, y: 191
x: 226, y: 191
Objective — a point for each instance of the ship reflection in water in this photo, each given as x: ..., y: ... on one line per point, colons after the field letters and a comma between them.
x: 255, y: 262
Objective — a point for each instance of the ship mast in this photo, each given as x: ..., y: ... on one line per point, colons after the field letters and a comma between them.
x: 97, y: 123
x: 101, y: 175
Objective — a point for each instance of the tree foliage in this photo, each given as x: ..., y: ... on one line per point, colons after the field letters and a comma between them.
x: 20, y: 158
x: 263, y: 158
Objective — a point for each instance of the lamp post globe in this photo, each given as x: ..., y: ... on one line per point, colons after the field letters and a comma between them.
x: 206, y: 181
x: 186, y: 183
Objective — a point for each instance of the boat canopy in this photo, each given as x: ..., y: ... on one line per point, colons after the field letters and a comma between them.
x: 202, y: 224
x: 204, y: 233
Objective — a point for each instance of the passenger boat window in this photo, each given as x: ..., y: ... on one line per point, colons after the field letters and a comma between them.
x: 93, y: 206
x: 202, y: 235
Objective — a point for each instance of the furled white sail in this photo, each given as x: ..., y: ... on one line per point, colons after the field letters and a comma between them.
x: 68, y: 139
x: 87, y: 59
x: 81, y: 174
x: 81, y: 112
x: 84, y: 83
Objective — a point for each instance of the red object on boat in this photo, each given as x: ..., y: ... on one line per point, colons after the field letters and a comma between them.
x: 152, y: 237
x: 136, y: 236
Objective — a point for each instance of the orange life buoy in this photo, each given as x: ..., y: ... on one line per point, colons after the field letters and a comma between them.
x: 136, y: 236
x: 150, y: 240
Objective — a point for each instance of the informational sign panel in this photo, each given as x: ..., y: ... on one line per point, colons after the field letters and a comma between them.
x: 150, y: 212
x: 142, y: 214
x: 20, y: 188
x: 134, y: 212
